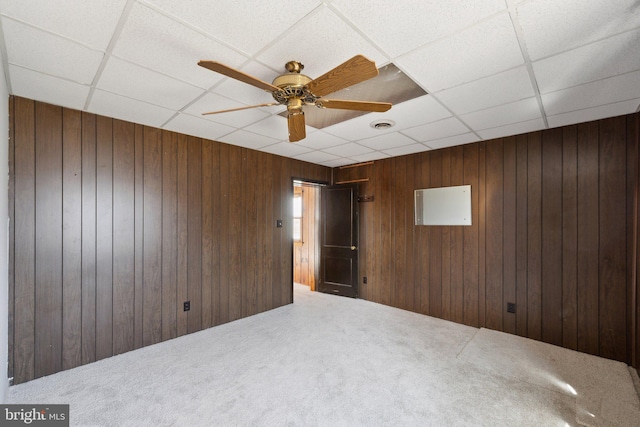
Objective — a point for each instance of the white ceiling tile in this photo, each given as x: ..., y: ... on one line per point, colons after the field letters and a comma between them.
x: 39, y: 51
x: 287, y: 149
x: 359, y: 127
x: 595, y: 113
x: 319, y: 140
x: 465, y: 138
x: 316, y: 156
x: 338, y: 162
x: 424, y: 109
x: 407, y: 114
x: 610, y: 57
x: 407, y: 149
x: 273, y: 127
x: 120, y: 107
x: 139, y: 83
x: 488, y: 92
x: 462, y: 57
x: 437, y: 130
x: 607, y: 91
x: 213, y: 102
x: 552, y: 26
x: 374, y: 155
x: 34, y: 85
x: 519, y: 111
x: 157, y: 42
x: 348, y: 150
x: 386, y: 142
x: 321, y: 41
x: 195, y: 126
x: 398, y: 26
x: 514, y: 129
x: 74, y: 19
x: 248, y: 139
x: 245, y: 24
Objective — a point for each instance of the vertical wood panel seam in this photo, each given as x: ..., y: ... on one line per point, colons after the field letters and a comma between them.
x: 502, y: 226
x: 526, y: 247
x: 636, y: 326
x: 12, y: 258
x: 631, y: 290
x: 62, y: 194
x: 598, y: 238
x: 142, y: 286
x: 634, y: 272
x: 95, y: 240
x: 35, y: 234
x: 81, y: 236
x: 113, y: 341
x: 562, y: 234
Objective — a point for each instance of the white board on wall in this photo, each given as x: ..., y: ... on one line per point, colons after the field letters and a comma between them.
x: 443, y: 206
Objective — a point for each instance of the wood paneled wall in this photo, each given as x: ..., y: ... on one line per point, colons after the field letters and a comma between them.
x: 553, y: 215
x: 306, y: 253
x: 114, y: 225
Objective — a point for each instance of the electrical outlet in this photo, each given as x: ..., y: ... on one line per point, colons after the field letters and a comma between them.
x: 187, y: 306
x: 364, y: 280
x: 511, y: 307
x: 278, y: 223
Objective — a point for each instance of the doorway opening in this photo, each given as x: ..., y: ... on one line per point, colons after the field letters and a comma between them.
x: 306, y: 233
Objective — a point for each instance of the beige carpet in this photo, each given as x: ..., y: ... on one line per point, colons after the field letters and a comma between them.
x: 333, y: 361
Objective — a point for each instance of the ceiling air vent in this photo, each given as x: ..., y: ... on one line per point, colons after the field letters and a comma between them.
x: 382, y: 124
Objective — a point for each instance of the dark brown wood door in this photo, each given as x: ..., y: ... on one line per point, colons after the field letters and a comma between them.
x: 339, y: 240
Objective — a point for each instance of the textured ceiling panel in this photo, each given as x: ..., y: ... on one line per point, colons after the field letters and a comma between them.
x: 552, y: 26
x: 53, y: 90
x: 462, y: 57
x: 618, y: 55
x: 169, y: 47
x: 73, y: 19
x: 321, y: 41
x: 196, y: 126
x: 399, y: 26
x: 519, y: 111
x: 492, y: 91
x: 124, y: 78
x: 123, y: 108
x: 40, y: 51
x: 244, y: 24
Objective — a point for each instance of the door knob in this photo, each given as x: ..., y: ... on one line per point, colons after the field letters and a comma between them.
x: 353, y: 248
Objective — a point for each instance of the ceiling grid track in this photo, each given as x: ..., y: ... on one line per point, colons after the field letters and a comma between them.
x: 107, y: 54
x: 5, y: 59
x: 513, y: 13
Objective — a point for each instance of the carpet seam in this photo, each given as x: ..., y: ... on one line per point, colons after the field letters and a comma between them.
x: 467, y: 343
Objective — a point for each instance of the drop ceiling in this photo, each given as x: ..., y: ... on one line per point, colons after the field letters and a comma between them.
x: 491, y: 68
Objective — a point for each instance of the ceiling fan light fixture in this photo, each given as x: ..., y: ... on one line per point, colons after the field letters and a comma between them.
x: 382, y: 124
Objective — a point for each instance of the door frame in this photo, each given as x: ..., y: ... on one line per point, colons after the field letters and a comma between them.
x: 290, y: 218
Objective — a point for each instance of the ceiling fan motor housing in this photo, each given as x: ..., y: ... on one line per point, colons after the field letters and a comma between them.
x: 293, y: 85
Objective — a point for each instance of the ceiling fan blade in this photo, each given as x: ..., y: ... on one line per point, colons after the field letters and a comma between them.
x: 296, y: 126
x: 238, y: 75
x: 378, y: 107
x: 242, y: 108
x: 355, y: 70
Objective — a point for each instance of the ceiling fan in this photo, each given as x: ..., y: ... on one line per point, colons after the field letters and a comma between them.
x: 295, y: 90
